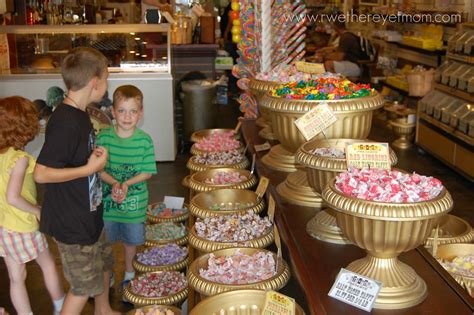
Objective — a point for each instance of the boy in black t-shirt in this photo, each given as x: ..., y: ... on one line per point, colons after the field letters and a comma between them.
x: 68, y: 165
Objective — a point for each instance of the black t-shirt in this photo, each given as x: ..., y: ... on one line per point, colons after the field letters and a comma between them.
x: 72, y: 210
x: 349, y: 44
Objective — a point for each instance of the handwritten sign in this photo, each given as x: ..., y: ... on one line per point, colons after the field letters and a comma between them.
x: 315, y: 121
x: 278, y: 304
x: 368, y: 154
x: 356, y: 290
x: 262, y: 186
x: 310, y: 67
x: 262, y: 147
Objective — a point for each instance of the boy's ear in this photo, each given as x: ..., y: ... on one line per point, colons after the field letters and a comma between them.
x: 93, y: 82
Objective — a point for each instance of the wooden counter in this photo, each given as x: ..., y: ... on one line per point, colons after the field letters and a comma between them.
x: 316, y: 264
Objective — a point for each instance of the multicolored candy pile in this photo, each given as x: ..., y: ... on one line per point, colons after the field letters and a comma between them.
x: 329, y: 153
x: 223, y: 178
x: 239, y: 268
x: 165, y: 231
x: 232, y: 228
x: 461, y: 265
x: 220, y: 158
x: 388, y: 186
x: 231, y: 206
x: 154, y: 310
x: 158, y: 284
x: 219, y: 141
x: 285, y: 73
x: 161, y: 256
x: 159, y: 210
x: 322, y: 89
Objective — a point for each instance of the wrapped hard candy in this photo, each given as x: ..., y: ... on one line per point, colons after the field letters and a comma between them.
x: 161, y: 256
x: 154, y: 310
x: 239, y: 268
x: 158, y: 284
x: 165, y: 231
x: 232, y: 228
x: 160, y: 211
x: 220, y: 158
x: 230, y: 206
x: 461, y: 265
x: 223, y: 178
x: 388, y: 186
x: 329, y: 153
x: 222, y: 141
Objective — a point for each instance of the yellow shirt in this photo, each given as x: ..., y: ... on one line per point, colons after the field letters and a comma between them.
x: 11, y: 217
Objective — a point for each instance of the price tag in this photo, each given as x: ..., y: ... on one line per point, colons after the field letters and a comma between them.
x: 174, y: 202
x: 237, y: 128
x: 262, y: 186
x: 278, y: 304
x: 277, y: 240
x: 356, y: 290
x: 310, y: 67
x: 262, y: 147
x: 368, y: 154
x: 315, y: 121
x: 271, y: 209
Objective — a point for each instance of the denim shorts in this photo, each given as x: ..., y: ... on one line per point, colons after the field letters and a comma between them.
x: 127, y: 233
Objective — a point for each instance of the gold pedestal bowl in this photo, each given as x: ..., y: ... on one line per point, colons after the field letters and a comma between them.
x: 239, y: 302
x: 280, y: 159
x: 450, y: 229
x: 195, y: 151
x: 258, y: 88
x: 354, y: 119
x: 267, y: 134
x: 296, y: 190
x: 197, y: 181
x: 205, y: 245
x: 405, y: 131
x: 194, y: 166
x: 202, y: 204
x: 201, y: 134
x: 155, y: 219
x: 450, y: 251
x: 179, y: 265
x: 178, y: 241
x: 145, y: 309
x: 208, y: 288
x: 320, y: 170
x: 385, y: 230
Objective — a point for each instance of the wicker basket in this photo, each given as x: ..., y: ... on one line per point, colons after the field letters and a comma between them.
x: 420, y: 82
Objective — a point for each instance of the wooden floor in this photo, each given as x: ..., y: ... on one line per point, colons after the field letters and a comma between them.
x: 168, y: 182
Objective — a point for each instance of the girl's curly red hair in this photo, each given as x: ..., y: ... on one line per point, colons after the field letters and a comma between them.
x: 18, y: 122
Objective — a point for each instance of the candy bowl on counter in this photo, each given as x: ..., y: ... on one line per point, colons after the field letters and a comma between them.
x: 221, y: 178
x: 225, y: 202
x: 155, y: 310
x: 169, y: 257
x: 458, y: 260
x: 201, y: 134
x: 231, y: 159
x: 248, y: 301
x: 165, y: 233
x: 235, y: 230
x: 216, y: 144
x: 162, y: 287
x: 237, y: 268
x: 450, y: 230
x: 158, y: 213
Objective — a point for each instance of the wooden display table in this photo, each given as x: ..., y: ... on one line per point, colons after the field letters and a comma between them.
x: 315, y: 264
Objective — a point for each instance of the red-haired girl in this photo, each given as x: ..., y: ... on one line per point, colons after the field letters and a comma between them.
x: 20, y: 240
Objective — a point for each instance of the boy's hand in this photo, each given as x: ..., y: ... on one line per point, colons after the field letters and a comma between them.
x: 98, y: 159
x: 124, y: 189
x: 116, y: 192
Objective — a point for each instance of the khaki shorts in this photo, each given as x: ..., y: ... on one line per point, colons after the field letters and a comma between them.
x: 84, y: 265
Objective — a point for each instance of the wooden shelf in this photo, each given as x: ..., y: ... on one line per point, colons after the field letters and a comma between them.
x: 468, y: 97
x: 403, y: 92
x: 450, y: 130
x: 461, y: 58
x: 436, y: 52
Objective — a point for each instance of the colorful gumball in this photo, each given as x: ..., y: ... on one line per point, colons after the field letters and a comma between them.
x: 234, y: 15
x: 236, y: 38
x: 235, y: 6
x: 235, y: 30
x: 236, y: 22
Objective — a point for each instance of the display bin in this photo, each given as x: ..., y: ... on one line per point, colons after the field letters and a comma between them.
x: 429, y: 99
x: 466, y: 123
x: 460, y: 72
x: 447, y: 112
x: 446, y: 75
x: 458, y: 113
x: 437, y: 109
x: 442, y: 100
x: 463, y: 82
x: 439, y: 71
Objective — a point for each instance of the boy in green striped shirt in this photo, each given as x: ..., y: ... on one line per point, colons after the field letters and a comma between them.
x: 130, y: 163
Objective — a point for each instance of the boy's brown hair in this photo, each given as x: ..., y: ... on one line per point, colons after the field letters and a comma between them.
x: 126, y: 92
x: 81, y: 65
x: 18, y: 122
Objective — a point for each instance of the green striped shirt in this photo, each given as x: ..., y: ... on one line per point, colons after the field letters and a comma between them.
x: 128, y: 157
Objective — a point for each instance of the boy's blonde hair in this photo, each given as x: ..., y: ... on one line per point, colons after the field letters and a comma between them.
x: 81, y: 65
x: 126, y: 92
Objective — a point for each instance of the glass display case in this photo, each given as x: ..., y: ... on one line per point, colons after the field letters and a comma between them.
x: 128, y: 47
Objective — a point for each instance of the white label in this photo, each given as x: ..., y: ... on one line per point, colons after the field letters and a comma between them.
x: 315, y: 121
x: 174, y: 202
x: 262, y: 147
x: 356, y: 290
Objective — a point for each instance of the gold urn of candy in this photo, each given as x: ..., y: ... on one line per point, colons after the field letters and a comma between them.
x: 194, y: 166
x: 354, y: 120
x: 385, y: 230
x: 258, y: 88
x: 205, y: 180
x: 450, y: 229
x: 204, y: 133
x: 150, y: 308
x: 405, y: 132
x: 320, y: 170
x: 143, y: 267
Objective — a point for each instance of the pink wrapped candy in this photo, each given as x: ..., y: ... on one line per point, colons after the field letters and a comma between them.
x: 239, y: 268
x: 154, y: 310
x: 158, y: 284
x: 223, y: 178
x: 220, y: 158
x: 329, y: 153
x: 221, y: 141
x: 388, y: 186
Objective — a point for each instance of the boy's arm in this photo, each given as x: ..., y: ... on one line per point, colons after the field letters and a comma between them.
x: 44, y: 174
x: 132, y: 181
x: 15, y: 185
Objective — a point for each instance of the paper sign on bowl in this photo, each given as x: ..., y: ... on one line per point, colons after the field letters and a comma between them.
x: 278, y: 304
x: 174, y: 202
x: 368, y: 154
x: 315, y: 121
x: 356, y: 290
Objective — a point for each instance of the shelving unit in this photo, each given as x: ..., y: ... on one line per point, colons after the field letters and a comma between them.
x: 453, y: 147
